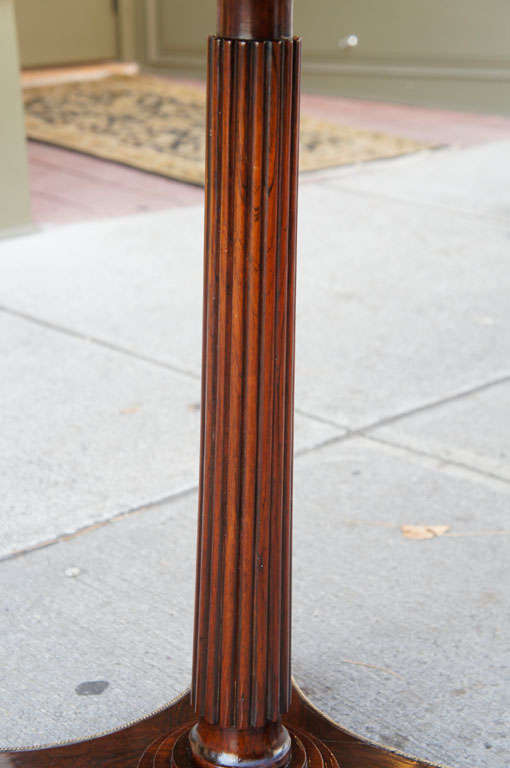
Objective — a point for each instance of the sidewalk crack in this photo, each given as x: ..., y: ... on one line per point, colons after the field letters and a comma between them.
x: 445, y: 462
x: 90, y: 527
x: 110, y: 345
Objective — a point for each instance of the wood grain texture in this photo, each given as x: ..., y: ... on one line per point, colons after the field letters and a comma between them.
x: 161, y: 740
x: 241, y: 675
x: 255, y: 19
x: 241, y: 667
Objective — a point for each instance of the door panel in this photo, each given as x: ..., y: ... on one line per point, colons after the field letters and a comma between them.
x: 407, y: 30
x: 65, y: 31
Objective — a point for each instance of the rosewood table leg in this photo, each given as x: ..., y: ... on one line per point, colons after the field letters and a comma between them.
x: 241, y: 674
x: 244, y: 711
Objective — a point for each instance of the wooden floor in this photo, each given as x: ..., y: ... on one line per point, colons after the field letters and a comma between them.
x: 67, y: 186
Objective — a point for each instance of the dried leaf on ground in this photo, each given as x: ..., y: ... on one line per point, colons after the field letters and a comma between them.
x: 130, y: 410
x: 423, y: 531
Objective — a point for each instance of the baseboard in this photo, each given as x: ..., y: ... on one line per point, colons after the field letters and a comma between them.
x: 23, y: 229
x: 455, y: 86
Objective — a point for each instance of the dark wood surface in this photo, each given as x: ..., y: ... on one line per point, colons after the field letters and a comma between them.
x: 163, y: 737
x: 241, y: 670
x: 241, y: 674
x: 241, y: 687
x: 255, y: 19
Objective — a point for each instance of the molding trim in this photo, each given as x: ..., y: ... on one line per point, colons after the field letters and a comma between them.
x: 155, y: 56
x: 177, y: 60
x: 126, y: 30
x: 152, y: 47
x: 24, y: 229
x: 426, y: 71
x: 195, y: 60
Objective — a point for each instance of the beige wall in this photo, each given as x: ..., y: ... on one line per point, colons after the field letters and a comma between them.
x: 14, y: 197
x: 54, y: 32
x: 450, y: 53
x: 65, y: 31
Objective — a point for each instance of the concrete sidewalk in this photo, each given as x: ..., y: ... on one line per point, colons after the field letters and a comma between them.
x: 403, y: 418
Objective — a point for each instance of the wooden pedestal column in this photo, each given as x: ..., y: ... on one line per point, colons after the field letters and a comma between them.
x: 241, y: 673
x: 244, y: 711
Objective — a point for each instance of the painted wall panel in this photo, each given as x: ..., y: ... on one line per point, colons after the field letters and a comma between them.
x: 409, y: 29
x: 14, y: 196
x: 65, y: 31
x: 452, y: 53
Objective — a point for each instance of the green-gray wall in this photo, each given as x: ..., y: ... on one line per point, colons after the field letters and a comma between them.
x: 53, y: 32
x: 447, y: 53
x: 14, y: 196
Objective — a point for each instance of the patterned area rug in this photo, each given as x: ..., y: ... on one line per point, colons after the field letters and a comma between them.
x: 158, y: 125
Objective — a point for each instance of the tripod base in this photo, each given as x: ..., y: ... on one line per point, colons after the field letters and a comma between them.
x: 161, y: 741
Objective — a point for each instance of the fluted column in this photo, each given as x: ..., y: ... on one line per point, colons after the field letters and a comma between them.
x: 241, y: 666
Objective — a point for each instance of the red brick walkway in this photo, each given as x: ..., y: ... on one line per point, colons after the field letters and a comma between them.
x: 67, y: 186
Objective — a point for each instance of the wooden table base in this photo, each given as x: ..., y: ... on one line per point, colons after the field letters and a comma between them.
x: 245, y: 712
x: 161, y: 740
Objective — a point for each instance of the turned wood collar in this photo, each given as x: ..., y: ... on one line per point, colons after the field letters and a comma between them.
x: 255, y: 19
